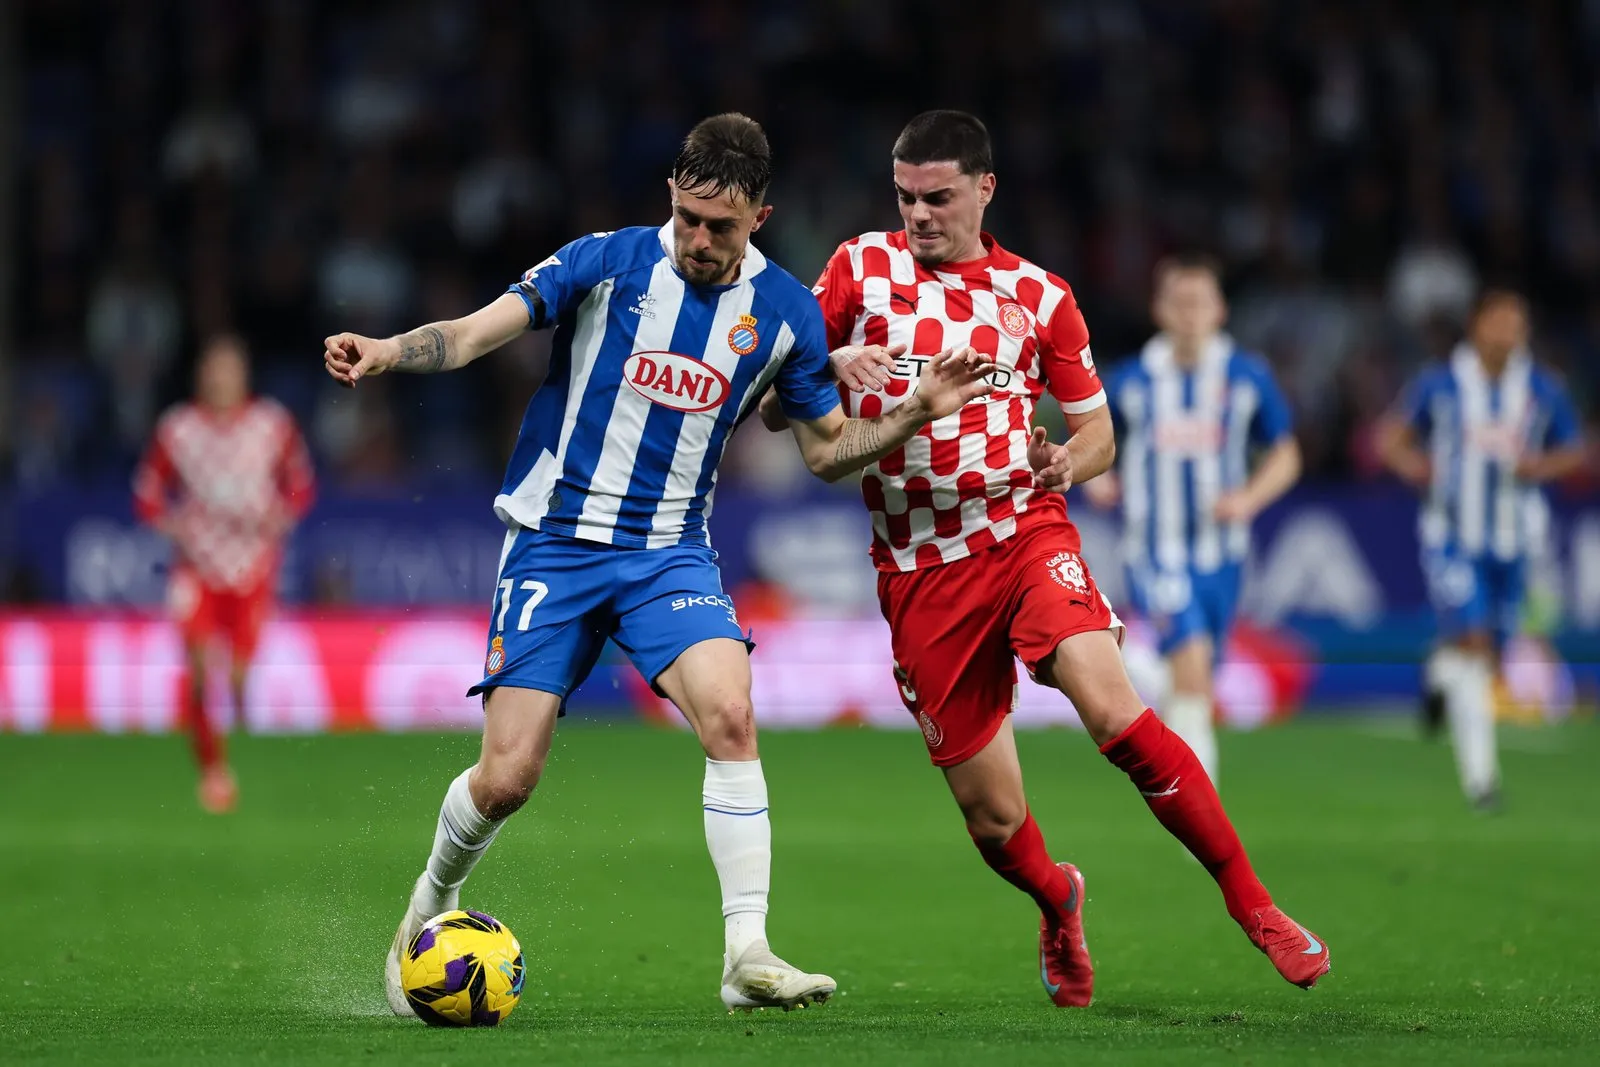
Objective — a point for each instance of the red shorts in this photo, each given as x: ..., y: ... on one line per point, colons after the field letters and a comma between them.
x: 958, y: 629
x: 203, y: 610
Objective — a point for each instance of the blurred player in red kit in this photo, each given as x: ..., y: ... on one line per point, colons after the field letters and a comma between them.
x: 977, y: 562
x: 226, y: 477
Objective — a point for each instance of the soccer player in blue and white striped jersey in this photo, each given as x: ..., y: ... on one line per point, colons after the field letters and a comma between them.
x: 665, y: 339
x: 1478, y: 435
x: 1191, y: 410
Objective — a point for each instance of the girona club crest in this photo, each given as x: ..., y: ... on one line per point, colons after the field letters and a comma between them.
x: 1014, y: 319
x: 930, y: 730
x: 1067, y: 569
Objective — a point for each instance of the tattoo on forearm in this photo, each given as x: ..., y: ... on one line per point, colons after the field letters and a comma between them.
x: 427, y: 350
x: 858, y: 440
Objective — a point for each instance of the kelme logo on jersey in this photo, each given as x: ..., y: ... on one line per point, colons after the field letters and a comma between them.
x: 743, y: 338
x: 1014, y: 319
x: 497, y: 656
x: 676, y: 381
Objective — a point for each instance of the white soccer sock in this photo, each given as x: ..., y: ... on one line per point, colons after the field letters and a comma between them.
x: 1189, y: 717
x: 739, y: 837
x: 460, y: 840
x: 1469, y: 702
x: 1439, y: 672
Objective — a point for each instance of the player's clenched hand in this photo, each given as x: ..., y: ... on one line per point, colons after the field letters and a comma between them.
x: 952, y: 378
x: 1051, y: 463
x: 350, y: 357
x: 864, y: 367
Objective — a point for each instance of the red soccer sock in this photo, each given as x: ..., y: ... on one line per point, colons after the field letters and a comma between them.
x: 1025, y: 863
x: 1182, y: 797
x: 208, y: 746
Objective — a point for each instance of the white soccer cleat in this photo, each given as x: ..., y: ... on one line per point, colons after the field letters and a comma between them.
x: 410, y: 926
x: 758, y: 979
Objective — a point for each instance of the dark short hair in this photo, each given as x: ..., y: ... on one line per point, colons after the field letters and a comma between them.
x: 1186, y: 263
x: 1492, y: 297
x: 725, y: 153
x: 224, y: 339
x: 938, y: 136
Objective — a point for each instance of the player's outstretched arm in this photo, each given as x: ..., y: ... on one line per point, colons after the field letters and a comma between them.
x: 859, y: 367
x: 1398, y: 448
x: 1274, y: 476
x: 430, y: 349
x: 834, y: 446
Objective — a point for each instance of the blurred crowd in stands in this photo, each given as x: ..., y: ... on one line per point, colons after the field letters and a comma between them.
x: 289, y: 168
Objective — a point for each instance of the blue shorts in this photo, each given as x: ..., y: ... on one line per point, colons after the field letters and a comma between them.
x: 1186, y: 604
x: 1475, y: 594
x: 558, y: 599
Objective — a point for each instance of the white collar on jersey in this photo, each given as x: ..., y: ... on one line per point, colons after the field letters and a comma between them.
x: 1157, y: 354
x: 754, y: 262
x: 1465, y: 360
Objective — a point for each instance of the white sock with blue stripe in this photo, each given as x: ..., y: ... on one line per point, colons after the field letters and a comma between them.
x: 460, y: 839
x: 739, y: 836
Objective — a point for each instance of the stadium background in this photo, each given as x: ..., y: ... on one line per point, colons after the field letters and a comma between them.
x: 290, y: 169
x: 293, y: 167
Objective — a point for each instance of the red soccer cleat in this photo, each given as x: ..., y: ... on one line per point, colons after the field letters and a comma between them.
x: 1300, y: 956
x: 1064, y: 965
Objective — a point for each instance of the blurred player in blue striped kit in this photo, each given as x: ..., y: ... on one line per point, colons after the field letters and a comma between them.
x: 1190, y: 411
x: 1478, y: 435
x: 665, y: 339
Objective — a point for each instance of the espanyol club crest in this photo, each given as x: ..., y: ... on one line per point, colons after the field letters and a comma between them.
x: 743, y: 338
x: 1067, y: 569
x: 497, y: 656
x: 930, y: 730
x: 1014, y: 319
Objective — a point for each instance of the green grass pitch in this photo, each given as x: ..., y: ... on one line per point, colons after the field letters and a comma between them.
x: 139, y: 931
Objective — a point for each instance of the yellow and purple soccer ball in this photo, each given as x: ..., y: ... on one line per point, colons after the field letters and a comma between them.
x: 464, y: 968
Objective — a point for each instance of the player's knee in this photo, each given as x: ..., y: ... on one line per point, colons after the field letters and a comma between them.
x: 993, y: 822
x: 505, y: 778
x: 1107, y: 716
x: 1191, y: 666
x: 499, y: 790
x: 727, y: 729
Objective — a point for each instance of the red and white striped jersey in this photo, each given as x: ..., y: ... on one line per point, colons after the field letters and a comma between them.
x: 231, y: 483
x: 959, y: 486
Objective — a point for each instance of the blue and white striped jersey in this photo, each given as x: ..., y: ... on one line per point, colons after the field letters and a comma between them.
x: 1476, y: 428
x: 649, y: 375
x: 1183, y: 439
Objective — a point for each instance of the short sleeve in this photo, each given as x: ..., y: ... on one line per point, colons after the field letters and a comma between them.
x: 556, y: 285
x: 806, y: 389
x: 1272, y: 421
x: 1067, y: 363
x: 1564, y: 429
x: 1416, y: 403
x: 838, y: 293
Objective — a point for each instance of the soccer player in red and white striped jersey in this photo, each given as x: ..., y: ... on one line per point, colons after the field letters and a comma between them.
x: 225, y: 477
x: 978, y: 563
